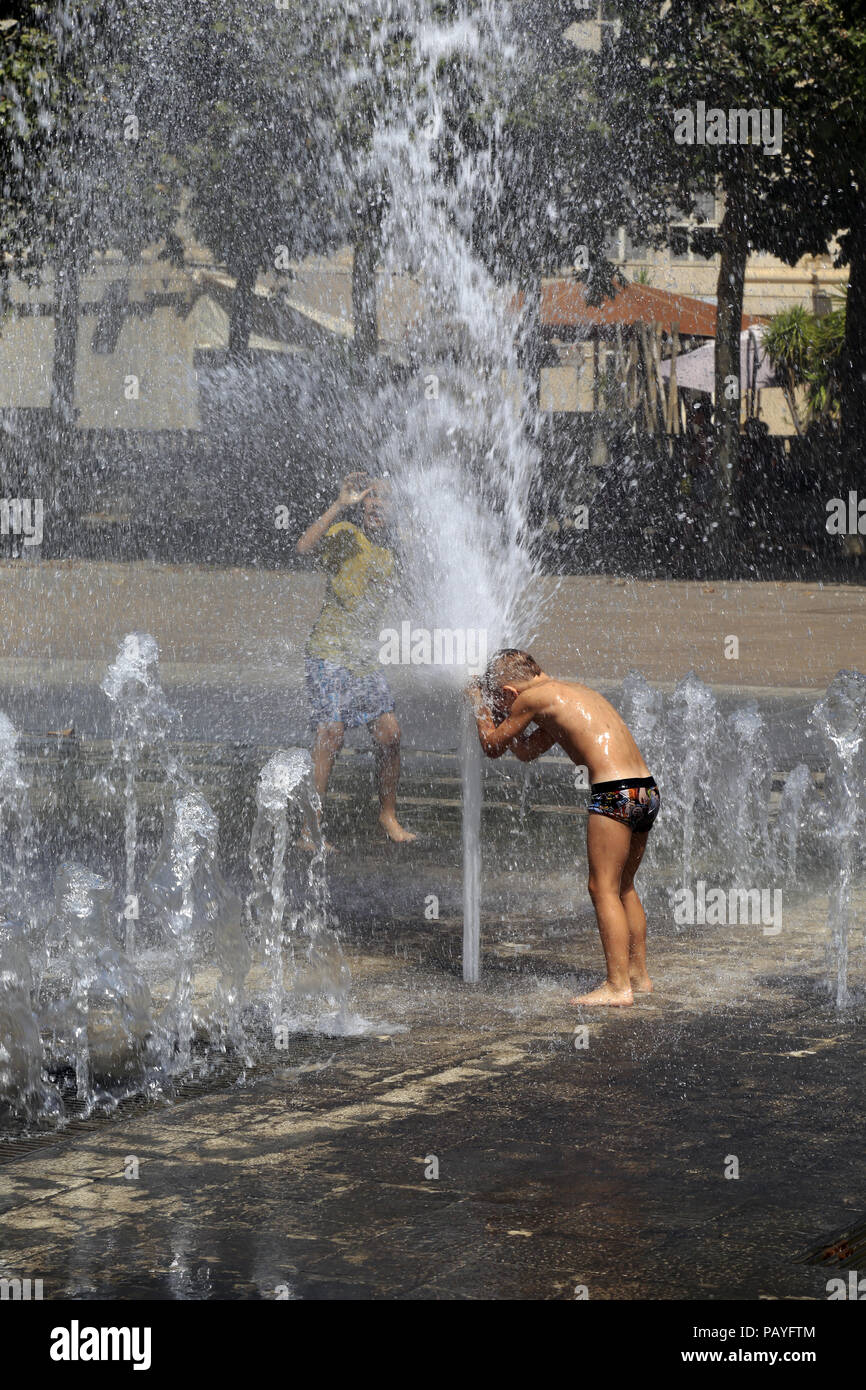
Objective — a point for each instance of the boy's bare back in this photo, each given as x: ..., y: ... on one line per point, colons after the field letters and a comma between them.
x: 585, y: 725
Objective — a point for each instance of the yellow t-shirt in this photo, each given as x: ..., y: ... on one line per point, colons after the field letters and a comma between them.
x: 361, y: 574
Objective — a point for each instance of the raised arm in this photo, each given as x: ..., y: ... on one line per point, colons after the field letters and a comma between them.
x: 353, y: 490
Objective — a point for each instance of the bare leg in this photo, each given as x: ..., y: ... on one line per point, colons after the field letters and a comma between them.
x: 636, y: 917
x: 608, y: 843
x: 385, y: 733
x: 328, y: 742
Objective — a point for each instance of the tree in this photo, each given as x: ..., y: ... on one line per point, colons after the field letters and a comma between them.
x: 256, y: 140
x: 801, y: 64
x: 578, y: 150
x: 80, y: 176
x: 819, y: 195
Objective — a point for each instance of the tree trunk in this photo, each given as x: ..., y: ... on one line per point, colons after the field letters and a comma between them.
x: 240, y: 320
x: 365, y: 312
x: 532, y: 345
x: 53, y: 478
x: 729, y: 318
x: 66, y: 297
x: 853, y: 366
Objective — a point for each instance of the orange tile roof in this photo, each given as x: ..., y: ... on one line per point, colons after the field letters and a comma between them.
x: 565, y: 312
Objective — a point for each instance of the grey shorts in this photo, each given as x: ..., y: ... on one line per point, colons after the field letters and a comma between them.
x: 339, y: 697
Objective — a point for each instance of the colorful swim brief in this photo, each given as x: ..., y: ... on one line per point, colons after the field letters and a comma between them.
x: 635, y: 801
x: 339, y: 697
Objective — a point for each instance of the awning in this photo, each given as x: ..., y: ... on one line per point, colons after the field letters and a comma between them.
x: 696, y: 370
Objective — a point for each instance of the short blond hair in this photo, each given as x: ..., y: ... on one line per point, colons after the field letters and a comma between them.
x: 507, y: 666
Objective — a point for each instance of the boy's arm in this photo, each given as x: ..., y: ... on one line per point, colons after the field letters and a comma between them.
x: 351, y: 491
x: 496, y: 738
x: 528, y: 746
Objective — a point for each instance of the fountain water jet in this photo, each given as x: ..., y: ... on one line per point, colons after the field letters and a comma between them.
x: 100, y: 1011
x: 457, y: 445
x: 16, y: 828
x: 23, y: 1085
x: 690, y: 734
x: 472, y: 788
x: 841, y: 719
x: 789, y: 821
x: 140, y: 717
x: 292, y: 934
x: 747, y: 789
x: 201, y: 917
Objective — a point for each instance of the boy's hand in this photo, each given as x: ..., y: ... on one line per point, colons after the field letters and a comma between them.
x: 475, y: 693
x: 354, y: 489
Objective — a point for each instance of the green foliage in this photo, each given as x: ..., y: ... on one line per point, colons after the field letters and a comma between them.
x: 806, y: 351
x: 255, y: 142
x: 74, y: 183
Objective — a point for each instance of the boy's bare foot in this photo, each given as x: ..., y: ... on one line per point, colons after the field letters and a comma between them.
x: 605, y: 995
x: 642, y: 984
x: 394, y: 830
x: 309, y: 846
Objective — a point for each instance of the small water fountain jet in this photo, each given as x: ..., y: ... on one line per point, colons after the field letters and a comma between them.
x: 789, y: 820
x: 16, y: 827
x: 841, y: 720
x: 685, y: 752
x: 642, y: 709
x: 140, y: 719
x: 747, y: 790
x: 198, y: 917
x: 98, y: 1008
x: 24, y: 1087
x: 300, y: 953
x: 286, y: 801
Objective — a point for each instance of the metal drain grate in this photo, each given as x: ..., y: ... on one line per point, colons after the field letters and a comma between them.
x: 843, y: 1250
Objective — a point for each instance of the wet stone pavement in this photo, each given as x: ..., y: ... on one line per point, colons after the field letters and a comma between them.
x: 485, y: 1152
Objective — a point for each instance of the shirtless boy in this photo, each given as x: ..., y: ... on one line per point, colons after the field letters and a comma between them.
x: 516, y: 694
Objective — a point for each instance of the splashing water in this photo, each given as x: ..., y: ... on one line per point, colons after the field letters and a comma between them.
x: 16, y: 830
x: 690, y: 735
x: 747, y: 788
x: 207, y: 973
x: 286, y: 804
x: 141, y: 718
x: 790, y: 817
x: 200, y: 917
x: 23, y: 1084
x: 454, y: 441
x: 119, y: 1016
x: 100, y: 1011
x: 841, y: 719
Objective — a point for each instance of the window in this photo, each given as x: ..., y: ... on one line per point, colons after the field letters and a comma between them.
x: 703, y: 217
x: 613, y: 245
x: 595, y: 25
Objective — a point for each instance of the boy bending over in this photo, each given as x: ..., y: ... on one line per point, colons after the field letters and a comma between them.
x: 514, y: 695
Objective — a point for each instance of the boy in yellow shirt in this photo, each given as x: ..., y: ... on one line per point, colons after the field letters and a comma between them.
x: 345, y: 683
